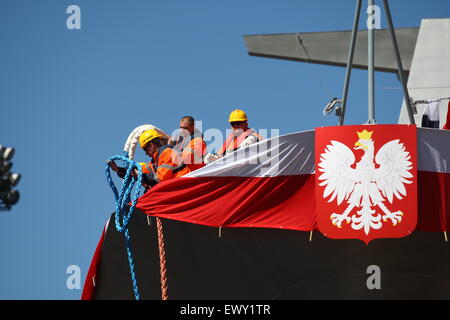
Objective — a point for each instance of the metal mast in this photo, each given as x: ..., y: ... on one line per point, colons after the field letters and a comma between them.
x: 371, y: 63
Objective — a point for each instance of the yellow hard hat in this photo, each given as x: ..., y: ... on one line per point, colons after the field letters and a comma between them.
x: 237, y: 115
x: 147, y: 136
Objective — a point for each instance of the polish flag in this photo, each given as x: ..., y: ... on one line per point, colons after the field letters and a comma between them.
x: 271, y: 184
x: 433, y: 179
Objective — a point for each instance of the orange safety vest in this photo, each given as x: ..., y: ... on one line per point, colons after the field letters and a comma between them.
x: 167, y: 164
x: 232, y: 143
x: 193, y: 154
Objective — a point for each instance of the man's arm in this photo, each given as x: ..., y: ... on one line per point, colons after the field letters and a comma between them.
x: 121, y: 172
x: 149, y: 179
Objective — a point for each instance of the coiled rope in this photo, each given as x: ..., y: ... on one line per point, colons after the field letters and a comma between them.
x: 122, y: 215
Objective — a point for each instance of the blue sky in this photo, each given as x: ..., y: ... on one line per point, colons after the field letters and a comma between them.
x: 69, y: 99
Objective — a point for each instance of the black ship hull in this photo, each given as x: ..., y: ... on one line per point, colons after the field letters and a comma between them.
x: 257, y: 263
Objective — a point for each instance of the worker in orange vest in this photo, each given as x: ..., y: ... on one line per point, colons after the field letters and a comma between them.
x: 165, y: 164
x: 241, y: 135
x: 190, y: 144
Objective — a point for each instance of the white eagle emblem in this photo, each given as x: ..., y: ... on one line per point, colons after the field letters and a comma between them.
x: 367, y: 185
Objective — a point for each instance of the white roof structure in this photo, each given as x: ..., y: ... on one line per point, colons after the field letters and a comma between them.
x: 429, y: 75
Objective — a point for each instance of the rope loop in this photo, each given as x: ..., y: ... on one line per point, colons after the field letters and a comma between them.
x: 123, y: 213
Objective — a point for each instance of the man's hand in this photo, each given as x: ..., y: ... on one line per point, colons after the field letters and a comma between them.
x: 113, y: 165
x: 248, y: 141
x: 121, y: 171
x: 210, y: 158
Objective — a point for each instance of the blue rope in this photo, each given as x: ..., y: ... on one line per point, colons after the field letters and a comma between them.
x: 122, y: 217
